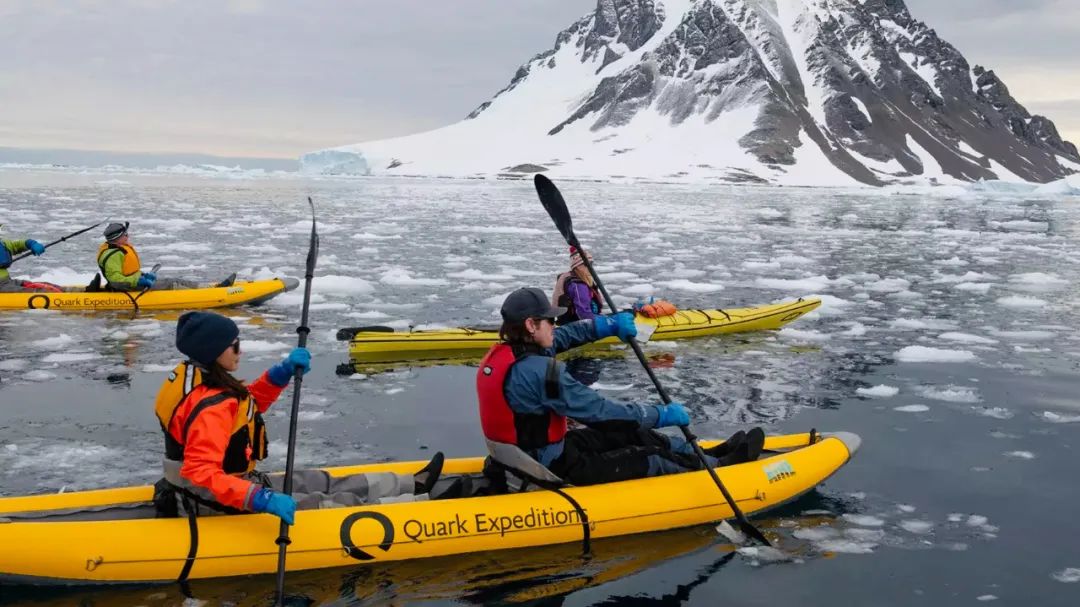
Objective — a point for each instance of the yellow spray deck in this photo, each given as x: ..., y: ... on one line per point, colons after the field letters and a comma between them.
x: 77, y: 299
x: 391, y: 346
x: 122, y: 545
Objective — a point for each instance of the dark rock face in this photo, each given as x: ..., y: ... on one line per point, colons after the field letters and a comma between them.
x: 877, y: 91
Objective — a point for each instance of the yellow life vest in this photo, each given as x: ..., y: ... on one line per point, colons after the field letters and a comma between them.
x: 131, y: 258
x: 247, y: 439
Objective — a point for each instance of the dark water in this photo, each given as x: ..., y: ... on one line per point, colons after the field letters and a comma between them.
x: 964, y: 491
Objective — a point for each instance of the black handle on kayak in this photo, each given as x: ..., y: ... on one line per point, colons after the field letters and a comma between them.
x: 347, y: 333
x: 553, y: 202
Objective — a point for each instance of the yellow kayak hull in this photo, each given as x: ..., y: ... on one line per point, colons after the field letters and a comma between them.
x: 155, y: 549
x: 241, y: 293
x: 391, y: 346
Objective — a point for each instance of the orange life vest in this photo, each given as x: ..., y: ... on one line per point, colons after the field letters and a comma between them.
x: 131, y: 258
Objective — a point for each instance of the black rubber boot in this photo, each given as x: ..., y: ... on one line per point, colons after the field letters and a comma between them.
x: 228, y: 282
x: 426, y: 478
x: 755, y: 443
x: 727, y: 446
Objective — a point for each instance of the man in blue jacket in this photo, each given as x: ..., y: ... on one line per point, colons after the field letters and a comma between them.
x: 526, y: 397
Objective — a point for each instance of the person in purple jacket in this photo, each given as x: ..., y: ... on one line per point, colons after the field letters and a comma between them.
x: 575, y: 291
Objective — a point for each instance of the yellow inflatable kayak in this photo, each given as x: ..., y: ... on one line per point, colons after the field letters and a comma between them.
x: 383, y: 344
x: 76, y: 298
x: 111, y: 535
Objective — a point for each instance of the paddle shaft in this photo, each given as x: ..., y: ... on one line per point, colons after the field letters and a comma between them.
x: 283, y: 540
x: 58, y: 241
x: 554, y: 204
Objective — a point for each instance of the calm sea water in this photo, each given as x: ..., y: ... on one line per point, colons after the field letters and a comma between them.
x: 947, y: 341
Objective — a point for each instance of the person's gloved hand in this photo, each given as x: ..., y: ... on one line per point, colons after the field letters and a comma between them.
x: 673, y: 414
x: 35, y: 247
x: 146, y: 280
x: 621, y: 324
x: 281, y: 373
x: 270, y: 501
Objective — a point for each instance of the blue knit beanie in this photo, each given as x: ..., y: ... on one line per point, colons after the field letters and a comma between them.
x: 203, y: 336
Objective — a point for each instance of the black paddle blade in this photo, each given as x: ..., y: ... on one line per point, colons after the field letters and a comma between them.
x: 555, y: 206
x: 313, y: 248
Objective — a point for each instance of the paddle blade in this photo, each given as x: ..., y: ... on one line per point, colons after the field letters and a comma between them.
x: 644, y: 331
x: 733, y: 535
x: 555, y: 206
x: 313, y: 248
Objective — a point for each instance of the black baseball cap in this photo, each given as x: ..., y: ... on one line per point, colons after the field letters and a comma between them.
x: 529, y: 302
x: 116, y: 230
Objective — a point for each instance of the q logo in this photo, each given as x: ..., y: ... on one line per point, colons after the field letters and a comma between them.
x: 38, y: 302
x: 792, y: 316
x: 346, y: 534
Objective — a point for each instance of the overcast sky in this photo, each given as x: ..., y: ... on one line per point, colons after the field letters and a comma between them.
x: 278, y: 78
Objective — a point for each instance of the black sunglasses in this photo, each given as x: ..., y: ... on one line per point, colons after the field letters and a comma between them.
x: 235, y: 346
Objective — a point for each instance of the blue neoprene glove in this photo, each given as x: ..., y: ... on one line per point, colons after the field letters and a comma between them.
x: 281, y: 373
x: 146, y: 280
x: 621, y: 324
x: 673, y: 414
x: 35, y: 247
x: 270, y: 501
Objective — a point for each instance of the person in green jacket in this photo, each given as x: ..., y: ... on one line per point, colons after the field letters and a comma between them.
x: 121, y: 269
x: 8, y: 250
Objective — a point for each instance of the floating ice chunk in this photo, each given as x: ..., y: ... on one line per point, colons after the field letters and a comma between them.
x: 474, y: 274
x: 257, y: 345
x: 863, y: 520
x: 951, y: 394
x: 865, y: 535
x: 986, y: 597
x: 367, y: 315
x: 1021, y: 302
x: 857, y: 329
x: 912, y: 408
x: 793, y: 260
x: 402, y: 278
x: 922, y: 323
x: 1021, y: 454
x: 880, y: 391
x: 888, y: 285
x: 1033, y: 335
x: 693, y: 287
x: 394, y: 390
x: 803, y: 335
x: 341, y: 285
x: 923, y: 354
x: 151, y: 368
x: 994, y: 412
x: 768, y: 213
x: 54, y: 343
x: 976, y: 520
x: 966, y: 277
x: 951, y: 262
x: 815, y: 534
x: 973, y: 287
x: 497, y: 230
x: 761, y: 265
x: 846, y: 546
x: 39, y: 375
x: 905, y: 508
x: 70, y: 357
x: 1038, y: 278
x: 916, y: 526
x: 1069, y: 575
x: 1058, y: 418
x: 811, y: 284
x: 966, y: 338
x: 639, y: 289
x: 14, y: 364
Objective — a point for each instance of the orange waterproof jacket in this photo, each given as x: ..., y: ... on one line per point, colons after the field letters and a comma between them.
x: 208, y: 439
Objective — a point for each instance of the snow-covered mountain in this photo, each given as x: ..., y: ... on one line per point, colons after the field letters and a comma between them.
x: 782, y: 91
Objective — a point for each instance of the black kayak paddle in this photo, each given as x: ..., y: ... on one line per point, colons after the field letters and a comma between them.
x: 283, y: 540
x: 57, y: 241
x: 555, y: 206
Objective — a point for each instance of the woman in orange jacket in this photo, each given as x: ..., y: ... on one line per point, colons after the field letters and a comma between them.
x: 214, y: 433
